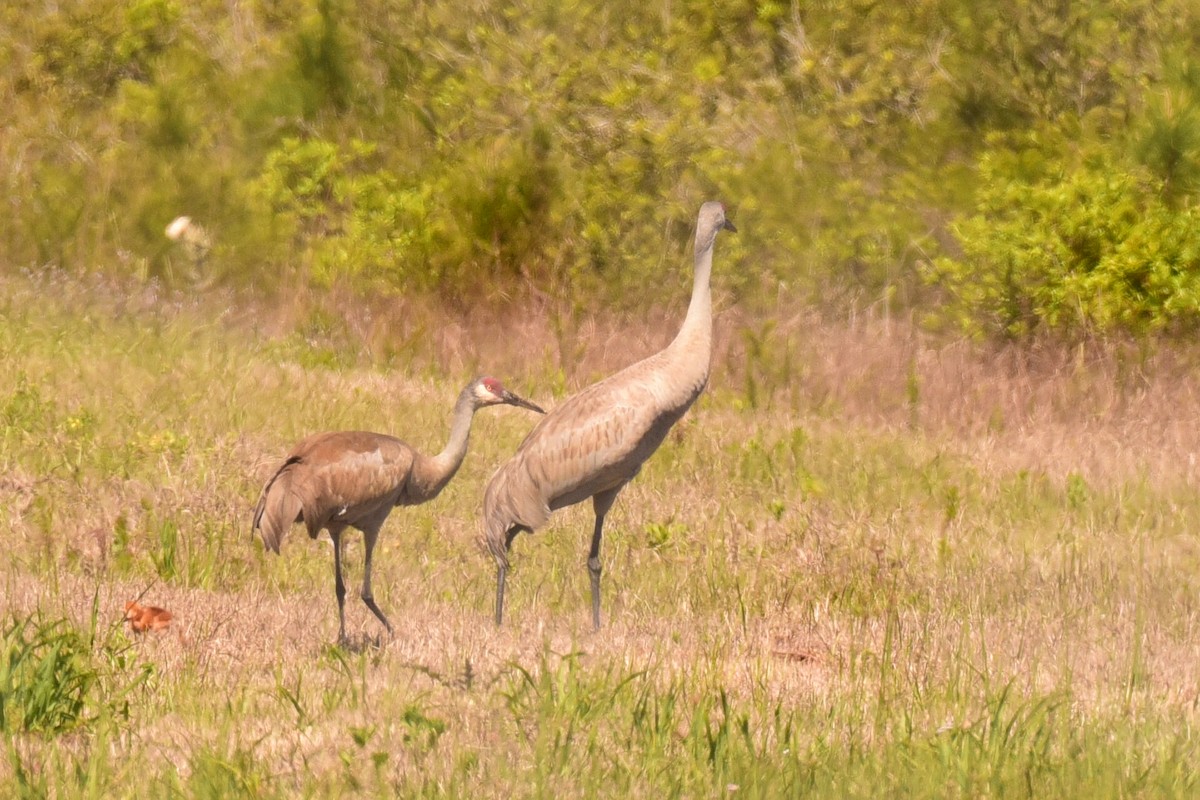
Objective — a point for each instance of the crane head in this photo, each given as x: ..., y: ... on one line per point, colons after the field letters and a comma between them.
x: 712, y: 219
x: 726, y: 222
x: 490, y: 392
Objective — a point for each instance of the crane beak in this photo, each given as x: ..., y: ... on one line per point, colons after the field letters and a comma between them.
x: 728, y: 225
x: 514, y: 400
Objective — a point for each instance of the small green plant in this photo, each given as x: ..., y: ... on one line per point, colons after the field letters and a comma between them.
x: 217, y: 774
x: 1012, y: 736
x: 1077, y: 491
x: 912, y: 394
x: 25, y: 410
x: 769, y: 368
x: 952, y: 500
x: 46, y: 676
x: 56, y: 678
x: 421, y: 730
x: 363, y: 734
x: 165, y: 556
x: 756, y: 463
x: 659, y: 534
x: 121, y: 554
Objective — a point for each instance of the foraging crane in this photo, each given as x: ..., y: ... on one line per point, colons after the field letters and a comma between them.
x: 595, y: 442
x: 353, y: 479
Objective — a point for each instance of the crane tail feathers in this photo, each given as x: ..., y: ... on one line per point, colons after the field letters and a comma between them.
x: 277, y: 509
x: 494, y: 536
x: 510, y: 500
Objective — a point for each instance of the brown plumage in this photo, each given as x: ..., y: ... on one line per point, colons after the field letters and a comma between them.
x: 147, y: 618
x: 353, y: 479
x: 595, y: 442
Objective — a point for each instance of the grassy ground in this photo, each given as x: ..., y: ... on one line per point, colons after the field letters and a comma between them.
x: 863, y: 566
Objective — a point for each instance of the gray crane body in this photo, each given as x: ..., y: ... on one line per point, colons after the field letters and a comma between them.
x: 575, y: 453
x: 353, y: 479
x: 342, y: 478
x: 596, y: 441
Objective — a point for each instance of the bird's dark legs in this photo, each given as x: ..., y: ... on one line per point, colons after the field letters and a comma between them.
x: 594, y: 569
x: 369, y: 538
x: 339, y: 586
x: 601, y: 503
x: 502, y: 571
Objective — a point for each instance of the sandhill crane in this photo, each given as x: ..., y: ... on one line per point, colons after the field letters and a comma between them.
x: 353, y: 479
x: 595, y: 442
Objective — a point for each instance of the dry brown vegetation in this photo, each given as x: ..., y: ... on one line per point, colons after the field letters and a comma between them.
x: 1105, y: 407
x: 863, y: 540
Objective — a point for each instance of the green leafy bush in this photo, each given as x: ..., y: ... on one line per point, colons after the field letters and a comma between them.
x: 345, y: 215
x: 486, y: 149
x: 89, y: 48
x: 46, y: 675
x: 1096, y: 249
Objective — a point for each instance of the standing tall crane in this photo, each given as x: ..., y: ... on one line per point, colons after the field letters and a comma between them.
x: 595, y: 442
x: 353, y: 479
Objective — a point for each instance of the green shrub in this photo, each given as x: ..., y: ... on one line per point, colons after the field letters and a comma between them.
x: 219, y: 773
x: 46, y: 676
x: 1095, y: 249
x: 489, y: 149
x: 348, y: 217
x: 91, y: 47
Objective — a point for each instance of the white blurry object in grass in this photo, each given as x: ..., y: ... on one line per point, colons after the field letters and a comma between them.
x: 195, y: 243
x: 178, y: 227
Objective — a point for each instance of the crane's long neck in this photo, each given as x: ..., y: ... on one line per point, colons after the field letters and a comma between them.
x: 693, y: 343
x: 430, y: 474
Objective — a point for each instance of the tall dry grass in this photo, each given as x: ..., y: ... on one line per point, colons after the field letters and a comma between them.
x: 868, y: 561
x: 1102, y: 406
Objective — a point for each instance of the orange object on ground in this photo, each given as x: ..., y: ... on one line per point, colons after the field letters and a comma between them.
x: 146, y: 618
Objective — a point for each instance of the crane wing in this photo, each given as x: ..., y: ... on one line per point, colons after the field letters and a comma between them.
x: 278, y: 507
x: 343, y: 477
x: 598, y: 439
x: 594, y: 441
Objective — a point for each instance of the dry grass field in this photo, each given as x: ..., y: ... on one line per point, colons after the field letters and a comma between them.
x: 866, y: 564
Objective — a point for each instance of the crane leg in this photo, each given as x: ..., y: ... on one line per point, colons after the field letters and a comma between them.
x: 369, y: 538
x: 601, y: 503
x: 502, y: 570
x: 501, y: 573
x: 339, y: 586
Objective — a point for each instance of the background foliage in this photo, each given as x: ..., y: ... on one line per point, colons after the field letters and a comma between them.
x: 1007, y: 166
x: 868, y: 562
